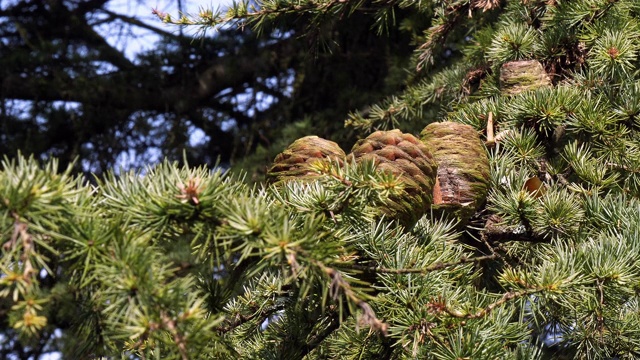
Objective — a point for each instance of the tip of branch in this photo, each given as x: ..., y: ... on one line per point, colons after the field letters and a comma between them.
x: 161, y: 15
x: 368, y: 317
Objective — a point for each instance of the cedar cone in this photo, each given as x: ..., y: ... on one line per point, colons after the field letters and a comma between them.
x: 522, y: 75
x: 295, y: 161
x: 463, y: 168
x: 410, y: 160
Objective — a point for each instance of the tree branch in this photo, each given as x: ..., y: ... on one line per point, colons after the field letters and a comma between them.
x: 133, y: 21
x: 338, y: 284
x: 211, y: 19
x: 316, y: 340
x: 170, y: 325
x: 196, y: 89
x: 435, y: 267
x: 241, y: 320
x: 495, y: 232
x: 487, y: 310
x: 107, y: 52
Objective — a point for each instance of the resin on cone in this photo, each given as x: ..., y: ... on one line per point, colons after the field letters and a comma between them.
x: 463, y: 168
x: 408, y: 158
x: 296, y: 161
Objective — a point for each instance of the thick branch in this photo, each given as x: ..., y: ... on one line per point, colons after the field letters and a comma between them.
x: 88, y: 6
x: 107, y: 52
x: 194, y: 91
x: 76, y: 28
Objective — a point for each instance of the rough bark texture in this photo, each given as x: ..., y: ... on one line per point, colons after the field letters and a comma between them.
x: 463, y: 168
x: 523, y: 75
x: 408, y: 158
x: 296, y: 160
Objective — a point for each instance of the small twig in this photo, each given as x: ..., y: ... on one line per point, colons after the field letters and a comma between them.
x: 170, y: 325
x: 435, y: 267
x: 20, y: 232
x: 338, y: 285
x: 141, y: 340
x: 562, y: 180
x: 503, y: 135
x: 491, y: 142
x: 495, y: 231
x: 599, y: 314
x: 438, y: 34
x: 623, y: 167
x: 213, y: 19
x: 14, y: 238
x: 317, y: 339
x: 241, y: 320
x: 489, y: 246
x: 487, y: 310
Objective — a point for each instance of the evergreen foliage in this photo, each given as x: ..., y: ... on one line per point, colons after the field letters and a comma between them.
x: 192, y: 263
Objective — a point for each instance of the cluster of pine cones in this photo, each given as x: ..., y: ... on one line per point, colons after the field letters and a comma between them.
x: 445, y: 171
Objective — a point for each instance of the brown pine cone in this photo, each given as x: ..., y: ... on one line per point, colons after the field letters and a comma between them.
x: 296, y: 160
x: 408, y: 158
x: 463, y: 168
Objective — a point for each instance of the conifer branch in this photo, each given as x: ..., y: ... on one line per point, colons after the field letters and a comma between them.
x: 245, y: 12
x: 563, y: 251
x: 446, y: 88
x: 437, y: 34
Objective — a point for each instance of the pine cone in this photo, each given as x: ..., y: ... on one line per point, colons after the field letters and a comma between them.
x: 408, y: 158
x: 463, y: 168
x: 295, y: 161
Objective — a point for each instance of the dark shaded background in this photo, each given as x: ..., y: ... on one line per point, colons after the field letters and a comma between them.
x: 67, y: 92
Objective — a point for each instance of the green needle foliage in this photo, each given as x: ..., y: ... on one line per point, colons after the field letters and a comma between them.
x: 193, y: 263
